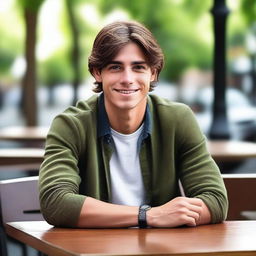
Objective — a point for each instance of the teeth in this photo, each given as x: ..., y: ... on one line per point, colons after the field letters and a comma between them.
x: 126, y: 92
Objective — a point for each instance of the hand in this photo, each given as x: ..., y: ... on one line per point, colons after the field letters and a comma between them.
x: 177, y: 212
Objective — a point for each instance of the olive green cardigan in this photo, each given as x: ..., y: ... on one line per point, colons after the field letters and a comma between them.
x: 76, y: 162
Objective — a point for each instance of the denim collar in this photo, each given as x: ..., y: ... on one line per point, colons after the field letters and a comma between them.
x: 104, y: 126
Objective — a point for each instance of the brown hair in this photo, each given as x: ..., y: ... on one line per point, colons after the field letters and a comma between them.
x: 116, y: 35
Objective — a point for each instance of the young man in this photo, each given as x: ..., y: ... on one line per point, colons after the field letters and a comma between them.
x: 116, y: 159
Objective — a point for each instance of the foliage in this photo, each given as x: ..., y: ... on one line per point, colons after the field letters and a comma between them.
x: 33, y: 5
x: 174, y: 24
x: 54, y: 70
x: 182, y: 28
x: 7, y: 53
x: 248, y: 8
x: 10, y: 48
x: 7, y: 58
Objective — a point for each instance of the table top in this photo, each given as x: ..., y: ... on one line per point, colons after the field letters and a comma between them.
x: 20, y: 156
x: 231, y: 150
x: 221, y: 150
x: 230, y: 237
x: 21, y: 133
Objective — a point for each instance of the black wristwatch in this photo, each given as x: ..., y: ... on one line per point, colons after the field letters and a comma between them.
x: 142, y: 219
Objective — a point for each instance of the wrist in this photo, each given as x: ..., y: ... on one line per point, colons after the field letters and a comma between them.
x: 153, y: 216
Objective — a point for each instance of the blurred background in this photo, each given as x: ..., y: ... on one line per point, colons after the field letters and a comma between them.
x: 44, y: 48
x: 45, y: 44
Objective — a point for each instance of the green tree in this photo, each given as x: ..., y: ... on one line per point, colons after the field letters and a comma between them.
x: 248, y: 8
x: 175, y: 26
x: 53, y: 71
x: 7, y: 56
x: 30, y: 9
x: 9, y: 49
x: 75, y: 51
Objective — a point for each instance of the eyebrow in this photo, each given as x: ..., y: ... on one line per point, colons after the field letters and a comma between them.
x: 133, y: 62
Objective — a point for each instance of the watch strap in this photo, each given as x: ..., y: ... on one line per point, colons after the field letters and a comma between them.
x: 142, y: 218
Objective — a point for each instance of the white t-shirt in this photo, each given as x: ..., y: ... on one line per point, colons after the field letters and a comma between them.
x: 126, y: 180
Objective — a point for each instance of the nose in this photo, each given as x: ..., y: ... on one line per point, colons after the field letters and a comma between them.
x: 127, y: 77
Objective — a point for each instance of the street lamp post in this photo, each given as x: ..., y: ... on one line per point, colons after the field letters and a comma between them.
x: 219, y: 127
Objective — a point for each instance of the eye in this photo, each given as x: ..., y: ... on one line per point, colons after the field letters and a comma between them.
x: 114, y: 67
x: 139, y: 67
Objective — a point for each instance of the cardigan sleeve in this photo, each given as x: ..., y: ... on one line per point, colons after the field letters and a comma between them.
x: 199, y: 174
x: 59, y: 174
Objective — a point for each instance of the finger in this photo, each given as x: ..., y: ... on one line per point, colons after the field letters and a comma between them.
x: 195, y: 201
x: 195, y: 208
x: 194, y: 215
x: 190, y: 221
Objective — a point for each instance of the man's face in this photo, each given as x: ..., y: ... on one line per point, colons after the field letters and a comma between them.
x: 126, y: 79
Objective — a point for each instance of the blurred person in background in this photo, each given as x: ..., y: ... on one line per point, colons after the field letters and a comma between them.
x: 115, y: 160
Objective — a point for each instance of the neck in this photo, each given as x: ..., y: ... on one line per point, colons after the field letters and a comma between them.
x: 126, y: 121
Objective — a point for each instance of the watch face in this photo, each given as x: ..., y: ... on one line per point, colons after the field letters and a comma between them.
x: 145, y: 207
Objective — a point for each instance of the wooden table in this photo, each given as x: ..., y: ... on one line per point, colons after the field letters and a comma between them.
x: 221, y: 150
x: 29, y: 155
x: 241, y: 189
x: 21, y: 156
x: 21, y: 133
x: 231, y: 151
x: 32, y: 136
x: 228, y: 238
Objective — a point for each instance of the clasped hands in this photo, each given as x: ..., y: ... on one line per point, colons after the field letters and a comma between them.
x: 179, y: 211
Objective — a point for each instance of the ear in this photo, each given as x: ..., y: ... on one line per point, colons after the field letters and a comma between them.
x: 153, y: 75
x: 97, y: 75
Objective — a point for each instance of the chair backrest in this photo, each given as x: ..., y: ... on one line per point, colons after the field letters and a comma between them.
x: 241, y: 189
x: 19, y: 200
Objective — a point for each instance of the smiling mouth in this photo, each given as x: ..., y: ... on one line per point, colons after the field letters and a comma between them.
x: 126, y: 91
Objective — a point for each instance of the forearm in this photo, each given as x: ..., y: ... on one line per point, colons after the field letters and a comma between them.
x: 98, y: 214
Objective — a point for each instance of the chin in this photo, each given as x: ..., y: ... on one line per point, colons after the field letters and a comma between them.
x: 126, y: 106
x: 129, y: 104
